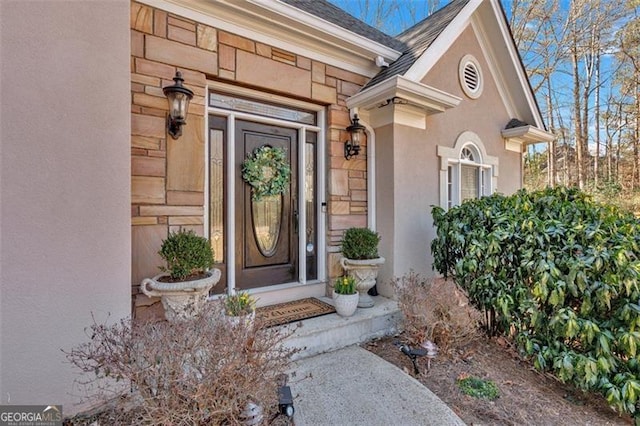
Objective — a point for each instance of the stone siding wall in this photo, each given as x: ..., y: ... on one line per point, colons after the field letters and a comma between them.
x: 168, y: 176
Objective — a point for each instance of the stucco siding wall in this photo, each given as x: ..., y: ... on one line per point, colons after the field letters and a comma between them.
x: 64, y: 188
x: 485, y: 116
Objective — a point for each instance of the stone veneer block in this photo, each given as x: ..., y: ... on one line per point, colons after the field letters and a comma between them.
x: 145, y: 79
x: 349, y: 89
x: 359, y: 195
x: 206, y: 38
x: 146, y: 125
x: 339, y: 162
x: 347, y: 221
x: 160, y: 23
x: 335, y: 269
x: 339, y: 207
x: 322, y: 93
x: 344, y: 75
x: 186, y: 220
x: 146, y: 220
x: 145, y: 100
x: 227, y: 58
x: 172, y: 52
x: 182, y: 23
x: 154, y: 69
x: 317, y: 72
x: 181, y: 198
x: 357, y: 184
x: 339, y: 183
x: 185, y: 157
x: 263, y: 50
x: 137, y: 44
x: 274, y: 75
x: 236, y: 41
x: 171, y: 210
x: 145, y: 244
x: 181, y: 35
x: 147, y: 166
x: 141, y: 18
x: 145, y: 143
x: 147, y: 190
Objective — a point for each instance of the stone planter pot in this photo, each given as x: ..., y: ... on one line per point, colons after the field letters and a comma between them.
x: 181, y: 300
x: 345, y: 304
x: 365, y: 273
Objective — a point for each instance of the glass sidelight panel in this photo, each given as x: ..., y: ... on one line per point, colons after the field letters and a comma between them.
x: 216, y: 193
x: 310, y: 206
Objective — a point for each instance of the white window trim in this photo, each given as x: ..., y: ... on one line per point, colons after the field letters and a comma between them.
x: 320, y: 170
x: 451, y: 157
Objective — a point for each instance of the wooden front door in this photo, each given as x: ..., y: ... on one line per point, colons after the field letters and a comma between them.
x: 266, y: 234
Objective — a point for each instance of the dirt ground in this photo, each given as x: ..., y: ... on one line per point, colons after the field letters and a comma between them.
x: 527, y: 397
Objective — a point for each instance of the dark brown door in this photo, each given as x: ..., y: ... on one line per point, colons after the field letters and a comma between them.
x: 266, y: 230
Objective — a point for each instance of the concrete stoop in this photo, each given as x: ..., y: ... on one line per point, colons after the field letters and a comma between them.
x: 328, y: 333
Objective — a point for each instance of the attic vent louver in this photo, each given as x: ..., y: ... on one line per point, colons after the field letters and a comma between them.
x: 470, y: 76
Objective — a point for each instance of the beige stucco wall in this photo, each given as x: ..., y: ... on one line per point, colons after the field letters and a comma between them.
x: 485, y: 116
x: 64, y: 187
x: 407, y: 174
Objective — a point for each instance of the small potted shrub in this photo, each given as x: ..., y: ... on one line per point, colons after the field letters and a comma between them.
x: 239, y: 307
x: 186, y: 279
x: 361, y: 260
x: 345, y: 296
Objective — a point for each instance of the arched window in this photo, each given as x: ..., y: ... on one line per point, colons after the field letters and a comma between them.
x: 466, y: 171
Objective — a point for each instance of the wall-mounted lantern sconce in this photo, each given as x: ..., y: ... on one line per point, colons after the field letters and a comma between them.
x: 178, y: 97
x: 352, y: 146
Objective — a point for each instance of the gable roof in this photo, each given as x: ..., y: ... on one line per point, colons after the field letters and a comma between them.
x: 332, y: 13
x: 417, y: 39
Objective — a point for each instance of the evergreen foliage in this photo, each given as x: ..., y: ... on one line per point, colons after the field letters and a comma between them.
x: 558, y: 273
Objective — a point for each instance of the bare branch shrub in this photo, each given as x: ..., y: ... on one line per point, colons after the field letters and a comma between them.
x: 199, y: 371
x: 436, y: 310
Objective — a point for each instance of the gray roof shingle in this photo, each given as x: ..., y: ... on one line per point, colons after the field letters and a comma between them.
x: 417, y: 39
x: 329, y: 12
x: 412, y: 43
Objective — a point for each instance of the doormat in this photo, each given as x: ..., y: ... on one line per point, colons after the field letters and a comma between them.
x: 288, y: 312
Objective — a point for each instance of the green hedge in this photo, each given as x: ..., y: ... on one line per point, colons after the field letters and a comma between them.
x: 558, y: 273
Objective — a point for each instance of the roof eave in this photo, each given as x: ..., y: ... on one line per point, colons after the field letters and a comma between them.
x: 518, y: 137
x: 428, y: 98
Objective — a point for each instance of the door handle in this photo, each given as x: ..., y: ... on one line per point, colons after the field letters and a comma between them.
x: 295, y: 221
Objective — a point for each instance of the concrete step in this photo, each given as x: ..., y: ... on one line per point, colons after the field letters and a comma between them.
x: 331, y: 332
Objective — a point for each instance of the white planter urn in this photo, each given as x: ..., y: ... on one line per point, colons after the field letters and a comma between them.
x: 365, y: 273
x: 181, y: 300
x: 345, y: 304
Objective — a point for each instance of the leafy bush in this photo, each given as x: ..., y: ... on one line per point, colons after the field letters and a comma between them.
x: 559, y: 274
x: 360, y: 244
x: 478, y: 388
x: 197, y: 371
x: 186, y: 254
x: 435, y: 311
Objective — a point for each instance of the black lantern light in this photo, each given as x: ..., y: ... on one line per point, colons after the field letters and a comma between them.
x: 178, y: 97
x: 352, y: 146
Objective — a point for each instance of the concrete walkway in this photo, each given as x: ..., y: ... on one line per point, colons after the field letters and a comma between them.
x: 352, y: 386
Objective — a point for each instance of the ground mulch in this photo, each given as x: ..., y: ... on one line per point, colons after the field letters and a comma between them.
x: 527, y: 397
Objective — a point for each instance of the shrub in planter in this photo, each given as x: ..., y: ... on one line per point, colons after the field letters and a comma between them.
x: 186, y: 255
x: 187, y: 277
x: 361, y: 261
x: 559, y: 274
x: 360, y: 244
